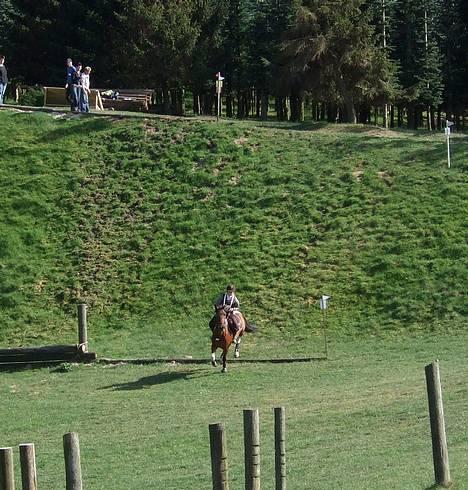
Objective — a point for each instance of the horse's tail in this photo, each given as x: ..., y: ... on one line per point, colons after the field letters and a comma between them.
x: 251, y: 328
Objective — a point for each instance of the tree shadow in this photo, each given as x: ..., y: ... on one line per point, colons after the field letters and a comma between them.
x: 89, y: 126
x: 157, y: 379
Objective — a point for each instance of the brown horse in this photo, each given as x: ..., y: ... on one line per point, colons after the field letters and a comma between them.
x: 223, y: 333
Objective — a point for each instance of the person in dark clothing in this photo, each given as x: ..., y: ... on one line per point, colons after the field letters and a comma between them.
x: 3, y: 79
x: 69, y: 81
x: 76, y: 88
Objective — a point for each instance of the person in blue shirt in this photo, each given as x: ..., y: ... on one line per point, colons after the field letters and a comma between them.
x: 71, y: 70
x: 76, y: 88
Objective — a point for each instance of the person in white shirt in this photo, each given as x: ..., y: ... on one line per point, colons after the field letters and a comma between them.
x: 85, y: 91
x: 230, y: 303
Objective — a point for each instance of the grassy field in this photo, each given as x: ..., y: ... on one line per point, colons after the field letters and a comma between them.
x: 146, y: 220
x: 357, y: 421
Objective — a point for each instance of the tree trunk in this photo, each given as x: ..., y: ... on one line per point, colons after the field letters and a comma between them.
x: 229, y: 104
x: 240, y: 105
x: 178, y: 102
x: 166, y: 100
x: 264, y: 107
x: 281, y: 108
x: 196, y: 103
x: 350, y: 109
x: 297, y: 107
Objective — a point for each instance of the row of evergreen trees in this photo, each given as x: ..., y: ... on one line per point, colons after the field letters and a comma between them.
x: 404, y: 61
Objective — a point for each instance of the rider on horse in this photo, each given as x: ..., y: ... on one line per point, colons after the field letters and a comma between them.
x: 229, y: 301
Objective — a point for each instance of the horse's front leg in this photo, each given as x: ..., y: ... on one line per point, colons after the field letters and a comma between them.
x: 213, y: 356
x: 224, y: 356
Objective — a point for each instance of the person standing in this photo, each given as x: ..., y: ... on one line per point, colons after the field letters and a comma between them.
x: 76, y: 88
x: 85, y: 91
x: 69, y: 81
x: 3, y: 79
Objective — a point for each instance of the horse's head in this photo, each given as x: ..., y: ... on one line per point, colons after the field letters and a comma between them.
x: 221, y: 321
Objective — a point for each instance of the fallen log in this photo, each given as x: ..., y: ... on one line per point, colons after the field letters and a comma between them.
x: 46, y: 353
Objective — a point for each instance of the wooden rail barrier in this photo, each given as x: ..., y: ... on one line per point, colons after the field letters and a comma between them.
x: 53, y: 353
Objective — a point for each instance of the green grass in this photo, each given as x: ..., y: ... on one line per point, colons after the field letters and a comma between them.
x: 357, y: 421
x: 146, y: 220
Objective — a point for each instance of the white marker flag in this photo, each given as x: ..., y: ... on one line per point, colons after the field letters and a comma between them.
x: 324, y: 302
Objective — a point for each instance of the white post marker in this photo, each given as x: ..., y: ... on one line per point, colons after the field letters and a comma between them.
x: 324, y: 306
x: 447, y: 132
x: 219, y: 87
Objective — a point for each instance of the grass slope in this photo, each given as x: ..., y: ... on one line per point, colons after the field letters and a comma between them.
x: 146, y: 220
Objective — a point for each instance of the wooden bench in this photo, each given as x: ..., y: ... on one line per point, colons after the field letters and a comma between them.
x: 56, y: 97
x: 138, y: 100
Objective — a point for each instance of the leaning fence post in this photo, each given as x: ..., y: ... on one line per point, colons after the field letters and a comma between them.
x: 71, y: 449
x: 280, y: 448
x: 252, y: 449
x: 219, y: 462
x: 7, y: 474
x: 82, y: 328
x: 436, y: 415
x: 28, y: 466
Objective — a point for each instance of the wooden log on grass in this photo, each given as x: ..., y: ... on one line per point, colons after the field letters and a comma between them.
x: 47, y: 353
x: 71, y: 449
x: 252, y: 449
x: 280, y: 448
x: 436, y: 415
x: 7, y: 474
x: 219, y: 462
x: 28, y: 466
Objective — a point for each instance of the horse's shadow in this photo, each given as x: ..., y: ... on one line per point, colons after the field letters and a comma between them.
x: 157, y: 379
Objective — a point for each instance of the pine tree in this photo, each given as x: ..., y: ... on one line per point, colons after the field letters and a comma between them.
x: 420, y: 59
x: 6, y: 23
x: 454, y: 46
x: 331, y: 51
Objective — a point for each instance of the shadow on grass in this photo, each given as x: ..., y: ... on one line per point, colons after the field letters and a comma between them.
x: 89, y: 126
x: 157, y: 379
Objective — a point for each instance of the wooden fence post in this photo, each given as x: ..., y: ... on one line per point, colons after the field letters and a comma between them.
x: 82, y: 328
x: 71, y: 449
x: 7, y: 474
x: 280, y: 448
x: 436, y: 414
x: 219, y: 461
x: 252, y: 449
x: 28, y: 466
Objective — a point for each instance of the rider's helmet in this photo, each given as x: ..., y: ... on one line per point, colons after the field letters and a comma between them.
x: 230, y: 288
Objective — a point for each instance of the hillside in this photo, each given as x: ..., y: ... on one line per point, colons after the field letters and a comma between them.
x: 146, y: 220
